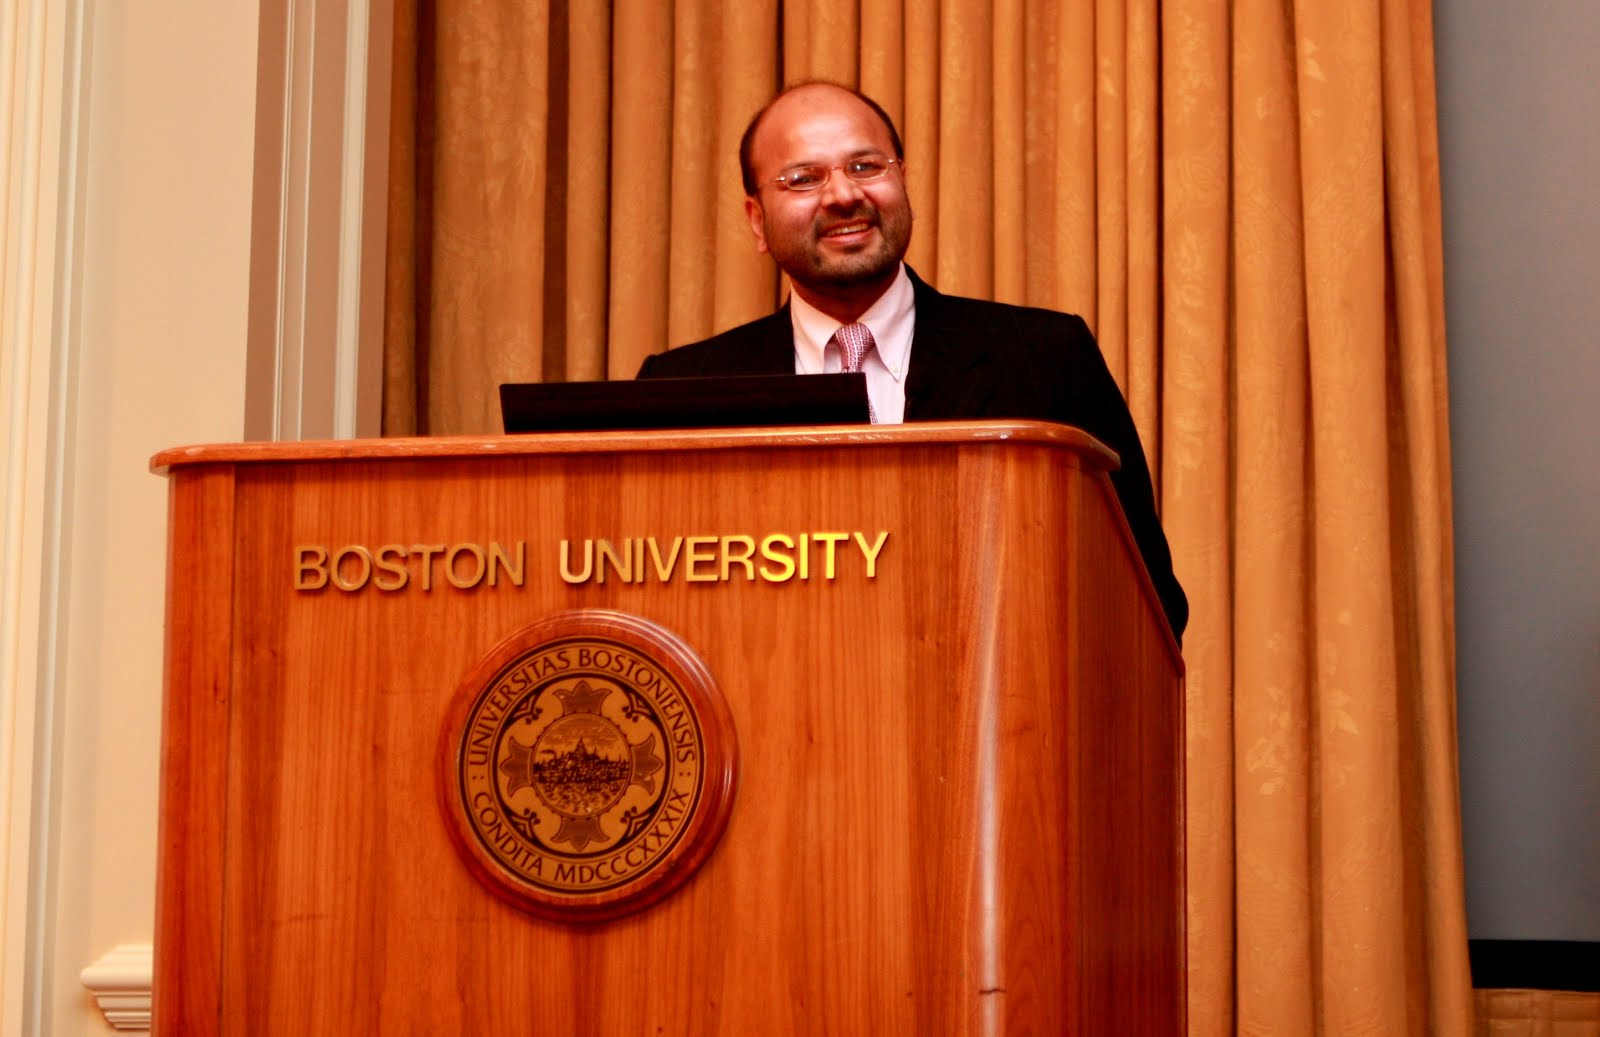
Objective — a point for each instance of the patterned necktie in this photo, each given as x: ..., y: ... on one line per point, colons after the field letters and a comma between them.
x: 855, y: 342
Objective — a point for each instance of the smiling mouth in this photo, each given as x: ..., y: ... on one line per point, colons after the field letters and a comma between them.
x: 857, y: 227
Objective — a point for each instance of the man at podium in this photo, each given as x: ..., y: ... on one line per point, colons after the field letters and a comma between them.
x: 825, y: 194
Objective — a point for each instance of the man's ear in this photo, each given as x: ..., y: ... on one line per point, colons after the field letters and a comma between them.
x: 753, y: 213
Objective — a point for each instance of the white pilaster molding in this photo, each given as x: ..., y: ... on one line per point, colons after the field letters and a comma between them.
x: 364, y: 212
x: 317, y: 253
x: 120, y: 983
x: 41, y: 70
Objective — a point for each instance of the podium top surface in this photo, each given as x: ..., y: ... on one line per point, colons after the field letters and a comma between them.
x: 1096, y: 455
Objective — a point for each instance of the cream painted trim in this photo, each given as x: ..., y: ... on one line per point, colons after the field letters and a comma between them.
x: 317, y: 268
x: 41, y: 93
x: 120, y: 982
x: 364, y: 211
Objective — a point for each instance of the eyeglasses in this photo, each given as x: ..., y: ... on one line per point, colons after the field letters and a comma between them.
x: 810, y: 178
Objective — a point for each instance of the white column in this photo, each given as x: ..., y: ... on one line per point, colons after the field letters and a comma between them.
x: 41, y: 58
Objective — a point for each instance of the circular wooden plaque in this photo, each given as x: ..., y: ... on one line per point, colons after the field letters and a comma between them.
x: 587, y: 765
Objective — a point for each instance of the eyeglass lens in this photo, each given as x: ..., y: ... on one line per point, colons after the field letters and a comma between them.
x: 809, y: 178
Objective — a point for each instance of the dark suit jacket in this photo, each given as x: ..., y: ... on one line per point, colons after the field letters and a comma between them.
x: 976, y: 359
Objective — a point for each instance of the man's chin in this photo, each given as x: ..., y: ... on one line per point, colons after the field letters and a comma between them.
x: 858, y: 269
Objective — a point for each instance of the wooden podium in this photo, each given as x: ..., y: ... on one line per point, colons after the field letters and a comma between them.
x: 958, y: 804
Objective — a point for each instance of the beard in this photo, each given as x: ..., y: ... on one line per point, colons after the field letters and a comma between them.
x: 810, y: 260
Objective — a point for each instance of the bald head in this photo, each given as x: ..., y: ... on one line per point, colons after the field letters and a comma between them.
x: 842, y: 234
x: 798, y: 94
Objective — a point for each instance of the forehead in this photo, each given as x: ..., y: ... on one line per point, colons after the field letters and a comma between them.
x: 815, y: 123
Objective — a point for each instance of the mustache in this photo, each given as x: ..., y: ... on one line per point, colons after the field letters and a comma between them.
x: 865, y: 213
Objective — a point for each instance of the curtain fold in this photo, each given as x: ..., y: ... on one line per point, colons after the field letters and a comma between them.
x: 587, y: 220
x: 1198, y: 477
x: 1241, y: 199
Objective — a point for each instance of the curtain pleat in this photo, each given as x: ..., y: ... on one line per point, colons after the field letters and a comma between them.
x: 406, y: 288
x: 1075, y: 220
x: 694, y: 165
x: 1426, y: 583
x: 883, y: 55
x: 1111, y: 187
x: 919, y: 131
x: 641, y: 184
x: 1242, y: 200
x: 1277, y: 952
x: 488, y: 206
x: 1141, y: 378
x: 1009, y: 221
x: 1197, y: 487
x: 587, y: 219
x: 964, y: 209
x: 1355, y: 762
x: 745, y: 283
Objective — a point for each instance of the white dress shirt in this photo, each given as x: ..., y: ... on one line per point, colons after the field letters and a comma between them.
x: 891, y: 319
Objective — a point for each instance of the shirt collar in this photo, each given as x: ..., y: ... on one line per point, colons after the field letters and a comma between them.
x: 890, y: 319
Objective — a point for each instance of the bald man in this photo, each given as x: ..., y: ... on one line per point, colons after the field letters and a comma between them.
x: 825, y: 194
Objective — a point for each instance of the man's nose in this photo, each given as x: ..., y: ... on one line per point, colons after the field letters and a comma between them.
x: 840, y: 191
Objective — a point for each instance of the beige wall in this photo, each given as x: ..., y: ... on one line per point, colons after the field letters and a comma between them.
x: 164, y: 295
x: 170, y: 171
x: 152, y: 350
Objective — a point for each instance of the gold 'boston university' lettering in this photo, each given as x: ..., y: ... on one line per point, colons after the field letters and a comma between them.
x: 394, y: 567
x: 774, y: 558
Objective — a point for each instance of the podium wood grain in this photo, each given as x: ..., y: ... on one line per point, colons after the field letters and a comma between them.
x: 959, y: 803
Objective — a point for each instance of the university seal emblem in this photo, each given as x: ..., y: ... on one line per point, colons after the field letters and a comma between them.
x: 588, y: 765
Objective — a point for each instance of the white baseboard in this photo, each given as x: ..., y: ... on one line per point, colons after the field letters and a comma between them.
x: 120, y: 982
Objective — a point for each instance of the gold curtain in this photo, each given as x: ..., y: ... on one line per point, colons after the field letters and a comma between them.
x: 1242, y: 199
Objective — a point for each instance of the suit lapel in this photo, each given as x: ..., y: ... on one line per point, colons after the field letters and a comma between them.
x: 770, y: 349
x: 952, y: 371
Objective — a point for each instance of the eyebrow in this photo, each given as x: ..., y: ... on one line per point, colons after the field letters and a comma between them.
x: 860, y: 153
